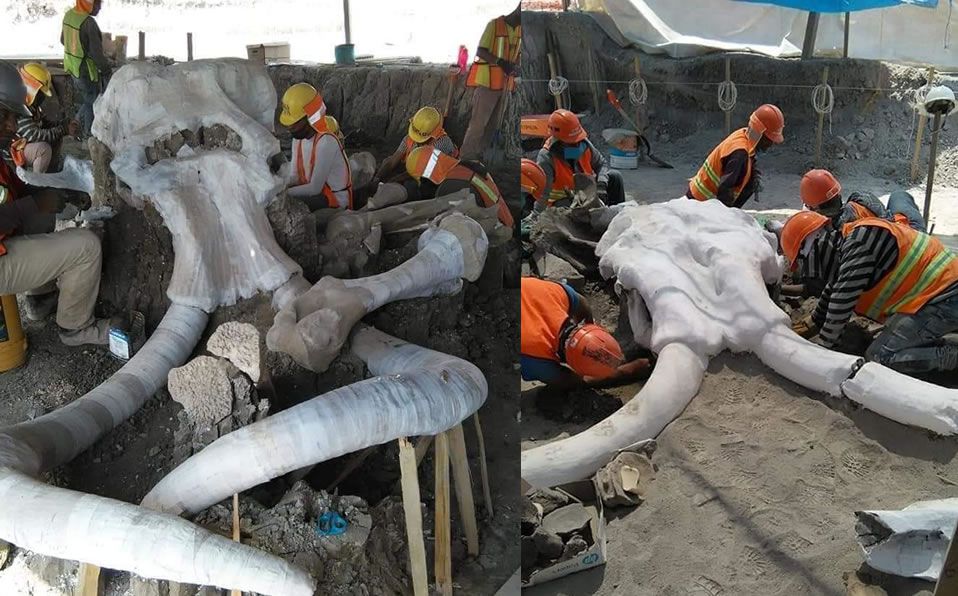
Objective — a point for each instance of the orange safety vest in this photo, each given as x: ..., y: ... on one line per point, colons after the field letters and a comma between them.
x: 436, y: 135
x: 705, y: 184
x: 505, y: 46
x: 543, y: 309
x: 563, y: 179
x: 924, y: 269
x: 303, y: 175
x: 861, y: 212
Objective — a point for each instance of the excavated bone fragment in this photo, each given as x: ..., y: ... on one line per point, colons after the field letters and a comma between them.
x: 77, y: 174
x: 203, y: 387
x: 911, y: 542
x: 417, y: 392
x: 314, y: 327
x: 240, y: 344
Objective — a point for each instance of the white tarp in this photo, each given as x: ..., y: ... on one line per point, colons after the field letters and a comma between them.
x: 901, y: 34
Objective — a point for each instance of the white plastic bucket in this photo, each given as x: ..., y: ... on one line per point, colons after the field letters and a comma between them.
x: 623, y: 148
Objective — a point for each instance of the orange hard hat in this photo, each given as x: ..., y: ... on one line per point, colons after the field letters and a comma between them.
x: 591, y: 351
x: 564, y: 125
x: 768, y: 120
x: 797, y: 229
x: 531, y: 178
x: 819, y: 187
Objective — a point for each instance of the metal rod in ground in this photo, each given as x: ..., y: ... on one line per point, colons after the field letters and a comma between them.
x: 821, y: 126
x: 142, y: 51
x: 728, y: 79
x: 920, y: 133
x: 932, y: 157
x: 189, y: 47
x: 811, y: 33
x: 848, y: 26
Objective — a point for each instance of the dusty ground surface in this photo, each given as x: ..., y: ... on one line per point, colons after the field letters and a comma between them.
x: 125, y: 464
x: 759, y: 478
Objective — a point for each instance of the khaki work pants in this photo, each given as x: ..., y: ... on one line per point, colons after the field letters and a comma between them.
x: 486, y: 105
x: 71, y: 257
x: 38, y: 156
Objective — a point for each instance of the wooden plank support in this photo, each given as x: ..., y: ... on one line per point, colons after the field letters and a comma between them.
x: 463, y: 481
x: 411, y: 503
x: 920, y: 133
x: 638, y: 107
x: 811, y: 33
x: 422, y: 447
x: 483, y: 465
x: 88, y: 580
x: 848, y: 25
x: 443, y: 562
x: 141, y: 54
x: 821, y: 126
x: 189, y: 47
x: 728, y: 79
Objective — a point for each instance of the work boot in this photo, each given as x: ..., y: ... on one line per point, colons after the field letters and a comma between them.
x: 40, y: 306
x: 96, y: 333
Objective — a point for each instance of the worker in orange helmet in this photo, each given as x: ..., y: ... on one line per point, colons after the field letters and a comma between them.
x: 532, y: 182
x: 560, y: 344
x: 568, y: 152
x: 821, y: 192
x: 885, y: 271
x: 729, y: 173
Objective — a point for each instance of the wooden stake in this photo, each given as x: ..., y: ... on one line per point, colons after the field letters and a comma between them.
x: 413, y: 510
x: 189, y: 47
x: 88, y: 580
x: 811, y: 33
x: 443, y: 562
x: 920, y: 133
x: 236, y: 532
x: 463, y: 480
x: 483, y: 467
x: 848, y: 20
x: 728, y: 78
x: 638, y: 107
x: 142, y: 52
x: 552, y: 74
x: 422, y: 447
x: 821, y: 126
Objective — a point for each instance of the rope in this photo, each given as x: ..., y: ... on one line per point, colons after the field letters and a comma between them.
x: 727, y: 96
x: 708, y: 83
x: 823, y: 100
x: 558, y: 85
x: 638, y: 92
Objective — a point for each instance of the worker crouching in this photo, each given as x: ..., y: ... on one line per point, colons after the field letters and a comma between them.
x: 888, y: 272
x: 38, y: 140
x: 821, y: 192
x: 320, y: 175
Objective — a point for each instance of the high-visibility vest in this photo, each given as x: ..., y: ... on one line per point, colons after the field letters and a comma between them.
x: 437, y: 167
x: 10, y: 189
x: 437, y: 134
x: 705, y: 184
x: 505, y: 46
x: 73, y: 54
x: 335, y: 198
x: 543, y: 310
x: 924, y: 269
x: 563, y: 179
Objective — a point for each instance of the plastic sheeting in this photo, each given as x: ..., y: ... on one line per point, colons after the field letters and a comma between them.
x: 842, y: 5
x: 901, y: 34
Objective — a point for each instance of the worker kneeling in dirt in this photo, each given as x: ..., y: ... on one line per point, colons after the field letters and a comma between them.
x: 532, y: 181
x: 821, y: 192
x: 567, y: 152
x: 729, y: 173
x: 557, y: 329
x: 885, y: 271
x: 37, y: 261
x: 425, y: 130
x: 320, y: 175
x: 435, y: 174
x: 38, y: 142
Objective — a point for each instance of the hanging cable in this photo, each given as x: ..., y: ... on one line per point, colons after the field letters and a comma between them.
x: 638, y: 92
x: 727, y: 96
x: 558, y: 85
x: 823, y: 100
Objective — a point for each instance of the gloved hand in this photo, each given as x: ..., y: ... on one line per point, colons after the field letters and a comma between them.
x: 49, y: 201
x: 805, y: 327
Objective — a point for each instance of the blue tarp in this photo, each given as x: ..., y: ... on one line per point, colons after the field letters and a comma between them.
x: 842, y: 5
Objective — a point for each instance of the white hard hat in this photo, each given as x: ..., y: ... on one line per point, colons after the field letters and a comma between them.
x: 939, y: 100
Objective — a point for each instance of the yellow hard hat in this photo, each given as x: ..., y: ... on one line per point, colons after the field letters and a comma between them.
x: 36, y: 78
x: 294, y: 103
x: 424, y: 123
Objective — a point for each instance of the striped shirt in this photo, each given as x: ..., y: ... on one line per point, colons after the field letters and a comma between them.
x: 35, y: 130
x: 862, y: 259
x: 865, y: 199
x: 443, y: 143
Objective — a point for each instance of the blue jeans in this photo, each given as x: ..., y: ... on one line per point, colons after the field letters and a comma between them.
x: 540, y: 369
x: 87, y: 92
x: 915, y: 343
x: 902, y: 202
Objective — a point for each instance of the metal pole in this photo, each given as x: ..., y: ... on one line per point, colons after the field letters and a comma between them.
x: 848, y: 18
x: 728, y: 78
x: 811, y: 32
x: 346, y: 20
x: 932, y: 157
x: 142, y: 51
x: 189, y: 47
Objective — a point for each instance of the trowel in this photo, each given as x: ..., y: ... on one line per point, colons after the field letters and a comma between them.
x: 643, y: 142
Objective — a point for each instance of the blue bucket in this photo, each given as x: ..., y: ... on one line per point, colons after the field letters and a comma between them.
x: 345, y: 54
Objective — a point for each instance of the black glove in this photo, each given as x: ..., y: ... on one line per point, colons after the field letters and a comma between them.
x: 508, y: 67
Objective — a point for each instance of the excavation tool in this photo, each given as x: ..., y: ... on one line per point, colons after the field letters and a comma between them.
x: 453, y: 74
x: 644, y: 146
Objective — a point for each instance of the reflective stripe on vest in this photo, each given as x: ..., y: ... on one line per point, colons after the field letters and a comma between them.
x: 924, y: 269
x: 505, y: 47
x: 73, y: 54
x: 303, y: 176
x: 705, y: 184
x: 316, y: 113
x: 563, y: 179
x: 435, y: 166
